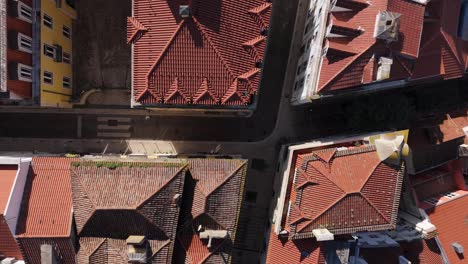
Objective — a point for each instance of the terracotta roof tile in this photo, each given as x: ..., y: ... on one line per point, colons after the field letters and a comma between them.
x: 304, y: 251
x: 108, y: 250
x: 442, y: 54
x: 450, y: 220
x: 8, y: 245
x: 212, y: 201
x: 7, y: 179
x: 353, y: 181
x: 347, y: 71
x: 63, y: 246
x: 205, y: 49
x: 118, y: 202
x: 47, y: 199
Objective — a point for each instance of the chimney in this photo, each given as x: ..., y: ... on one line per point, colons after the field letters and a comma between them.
x: 137, y: 249
x: 214, y: 234
x: 184, y: 11
x: 48, y: 255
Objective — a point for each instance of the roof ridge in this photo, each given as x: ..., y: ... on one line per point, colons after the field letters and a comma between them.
x: 323, y: 211
x: 231, y: 174
x: 429, y: 41
x: 138, y: 27
x: 98, y: 246
x: 208, y: 39
x: 73, y: 170
x: 163, y: 51
x: 328, y: 178
x: 344, y: 68
x: 162, y: 186
x: 147, y: 90
x: 373, y: 206
x: 259, y: 9
x: 369, y: 176
x: 168, y: 241
x: 452, y: 51
x: 175, y: 90
x: 403, y: 65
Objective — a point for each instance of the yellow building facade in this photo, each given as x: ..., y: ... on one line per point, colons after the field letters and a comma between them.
x: 56, y: 70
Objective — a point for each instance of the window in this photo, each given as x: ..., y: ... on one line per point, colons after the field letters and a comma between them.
x: 66, y: 82
x: 48, y: 77
x: 24, y: 73
x: 24, y: 12
x: 66, y: 32
x: 24, y: 43
x: 48, y: 21
x: 66, y: 58
x: 49, y: 51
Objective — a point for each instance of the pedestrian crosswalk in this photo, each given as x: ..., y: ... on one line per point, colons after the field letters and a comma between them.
x: 114, y: 127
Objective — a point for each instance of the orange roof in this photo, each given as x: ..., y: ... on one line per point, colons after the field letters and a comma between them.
x: 451, y: 221
x: 7, y: 178
x: 304, y: 251
x: 357, y: 191
x: 442, y: 53
x: 8, y: 245
x: 177, y: 58
x: 47, y: 199
x: 346, y: 70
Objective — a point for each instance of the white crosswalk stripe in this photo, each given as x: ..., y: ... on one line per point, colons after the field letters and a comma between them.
x: 114, y: 127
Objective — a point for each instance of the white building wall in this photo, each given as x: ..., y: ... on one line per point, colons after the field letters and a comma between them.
x: 3, y: 46
x: 309, y: 64
x: 14, y: 201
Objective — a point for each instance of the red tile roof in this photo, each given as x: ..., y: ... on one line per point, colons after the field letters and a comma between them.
x: 304, y: 251
x: 63, y: 246
x: 47, y: 199
x: 357, y: 191
x: 107, y: 250
x: 451, y: 221
x: 345, y: 71
x: 7, y: 179
x: 442, y: 53
x: 122, y: 201
x: 433, y: 182
x: 217, y: 189
x: 208, y: 58
x: 8, y: 245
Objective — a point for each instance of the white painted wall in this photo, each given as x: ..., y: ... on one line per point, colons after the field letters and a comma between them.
x: 309, y: 63
x: 16, y: 195
x: 3, y: 46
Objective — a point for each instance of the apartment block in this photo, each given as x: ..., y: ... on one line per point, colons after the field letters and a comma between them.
x: 56, y: 74
x: 351, y: 46
x: 16, y: 76
x: 36, y: 52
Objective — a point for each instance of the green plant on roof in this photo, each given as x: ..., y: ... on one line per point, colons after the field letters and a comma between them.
x: 116, y: 164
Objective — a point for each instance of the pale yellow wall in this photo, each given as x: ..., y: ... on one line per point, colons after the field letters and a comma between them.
x: 54, y: 94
